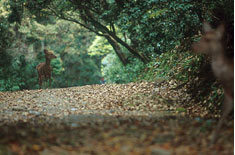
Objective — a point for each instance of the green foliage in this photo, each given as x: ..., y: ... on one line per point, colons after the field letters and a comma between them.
x: 114, y: 71
x: 6, y: 35
x: 159, y: 26
x: 100, y: 46
x: 79, y: 69
x: 19, y: 75
x: 172, y: 64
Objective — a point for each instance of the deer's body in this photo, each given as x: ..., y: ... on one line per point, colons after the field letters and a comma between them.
x: 224, y: 70
x: 44, y: 69
x: 211, y: 44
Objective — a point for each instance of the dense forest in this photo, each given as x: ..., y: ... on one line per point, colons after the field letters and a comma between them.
x: 112, y: 41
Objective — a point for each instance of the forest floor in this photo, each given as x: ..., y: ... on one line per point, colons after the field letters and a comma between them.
x: 135, y: 118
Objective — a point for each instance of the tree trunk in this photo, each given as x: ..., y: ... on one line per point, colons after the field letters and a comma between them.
x: 117, y: 49
x: 129, y: 48
x: 106, y: 32
x: 88, y: 17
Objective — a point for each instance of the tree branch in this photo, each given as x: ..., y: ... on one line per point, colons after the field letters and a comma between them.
x: 61, y: 16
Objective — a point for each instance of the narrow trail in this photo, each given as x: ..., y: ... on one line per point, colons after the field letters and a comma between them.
x: 134, y: 118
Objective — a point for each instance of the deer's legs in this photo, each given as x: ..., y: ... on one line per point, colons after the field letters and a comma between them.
x: 227, y: 108
x: 39, y: 81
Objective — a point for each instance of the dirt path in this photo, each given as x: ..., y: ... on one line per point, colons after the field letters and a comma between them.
x: 134, y: 118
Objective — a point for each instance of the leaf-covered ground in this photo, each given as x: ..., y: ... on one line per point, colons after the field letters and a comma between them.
x: 135, y: 118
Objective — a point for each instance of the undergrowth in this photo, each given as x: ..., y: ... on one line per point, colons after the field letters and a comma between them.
x: 191, y: 72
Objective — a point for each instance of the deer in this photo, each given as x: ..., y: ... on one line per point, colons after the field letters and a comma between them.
x: 211, y: 44
x: 44, y: 69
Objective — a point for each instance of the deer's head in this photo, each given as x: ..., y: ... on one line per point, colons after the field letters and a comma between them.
x: 49, y: 55
x: 211, y: 41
